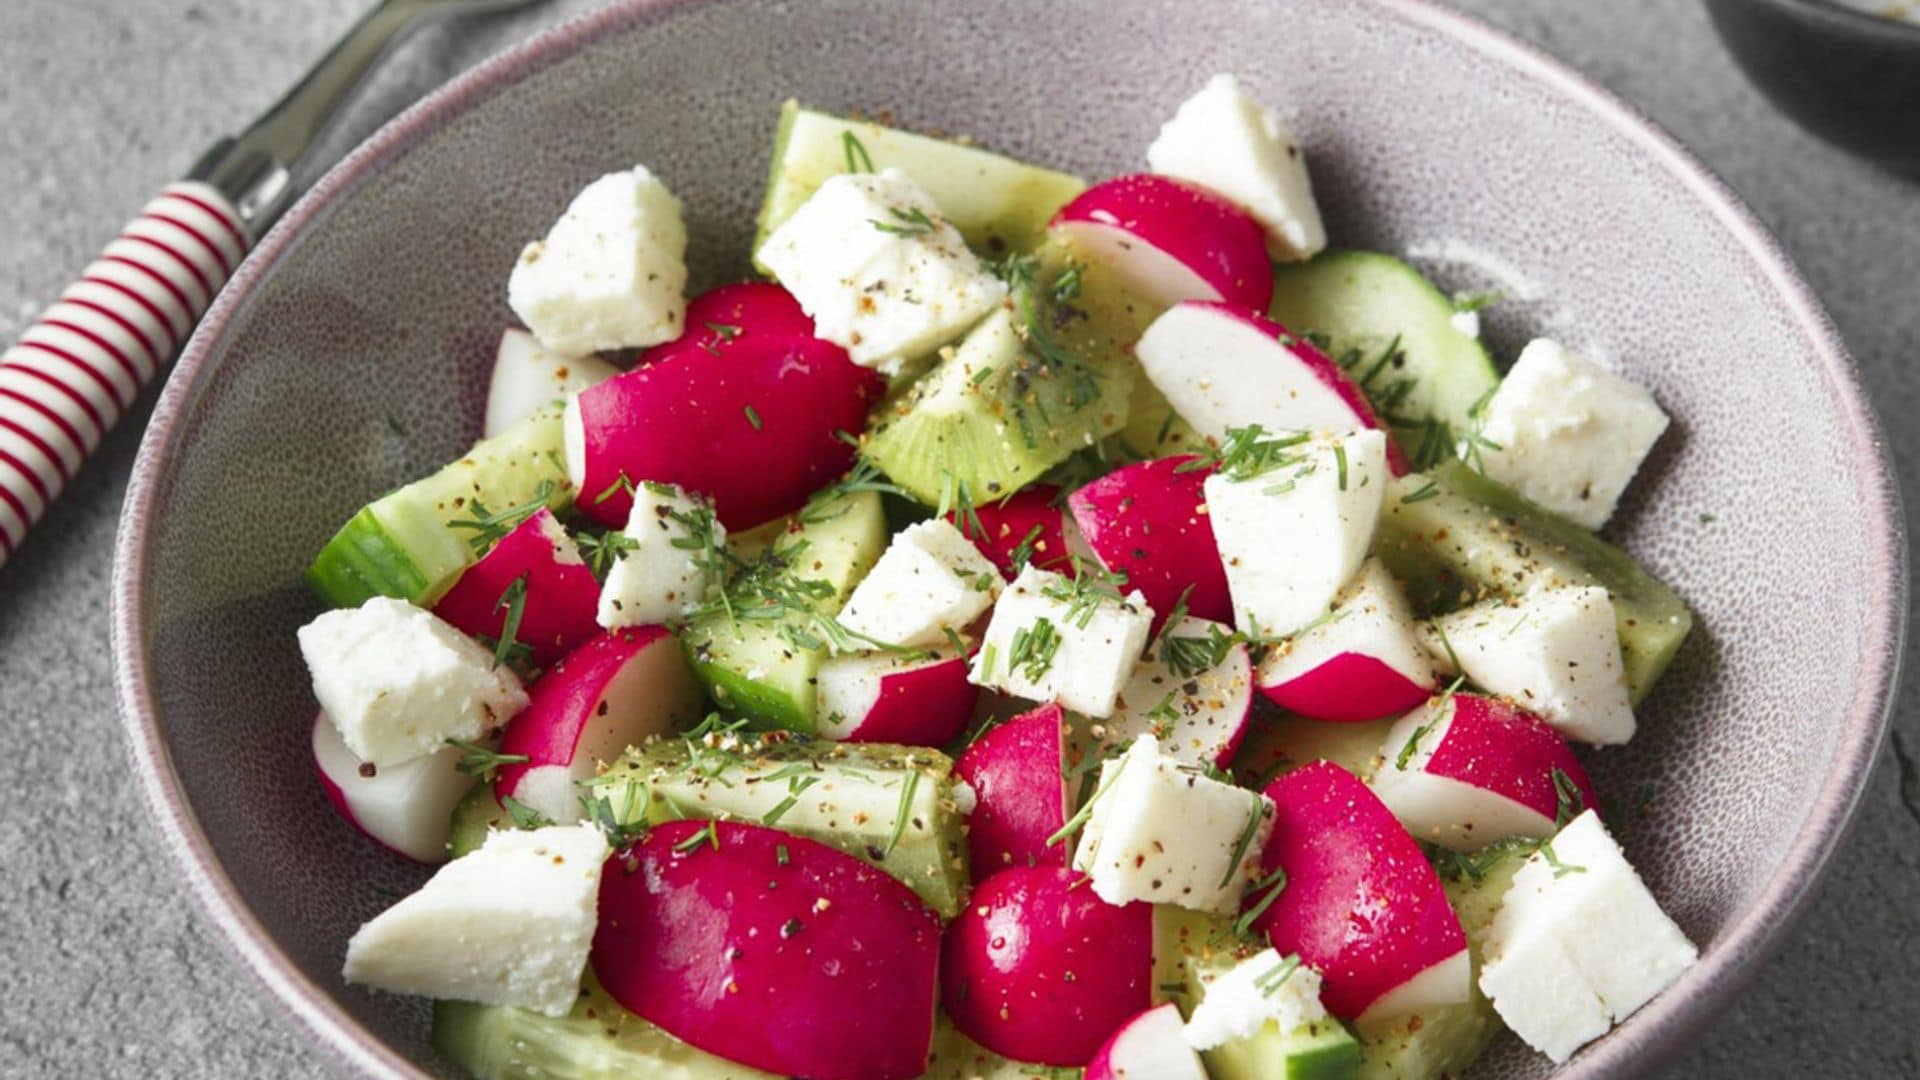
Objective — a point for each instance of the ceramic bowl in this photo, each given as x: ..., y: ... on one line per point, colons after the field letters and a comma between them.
x: 351, y: 352
x: 1848, y: 76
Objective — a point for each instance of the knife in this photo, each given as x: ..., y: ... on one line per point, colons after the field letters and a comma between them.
x: 75, y: 372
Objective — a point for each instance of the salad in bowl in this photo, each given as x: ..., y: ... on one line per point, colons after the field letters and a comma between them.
x: 1036, y: 626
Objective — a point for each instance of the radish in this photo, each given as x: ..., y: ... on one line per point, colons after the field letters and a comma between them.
x: 526, y: 376
x: 1025, y: 528
x: 880, y: 697
x: 1223, y: 367
x: 754, y: 428
x: 1038, y: 968
x: 536, y: 571
x: 1014, y: 771
x: 406, y: 808
x: 1360, y: 902
x: 1170, y: 240
x: 1363, y: 661
x: 1147, y: 1047
x: 730, y: 313
x: 1467, y: 771
x: 1193, y: 690
x: 605, y: 696
x: 771, y: 950
x: 1149, y: 522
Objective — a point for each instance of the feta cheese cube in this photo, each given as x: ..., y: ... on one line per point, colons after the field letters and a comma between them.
x: 1165, y: 832
x: 399, y: 682
x: 1262, y: 989
x: 929, y: 580
x: 611, y: 273
x: 881, y: 272
x: 666, y: 575
x: 1567, y: 433
x: 1055, y: 639
x: 1221, y: 138
x: 1578, y: 915
x: 1291, y: 538
x: 1556, y: 652
x: 509, y: 924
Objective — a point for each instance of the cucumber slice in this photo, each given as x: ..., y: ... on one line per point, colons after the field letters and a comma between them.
x: 956, y: 1057
x: 1000, y: 205
x: 764, y: 669
x: 1189, y: 949
x: 1443, y: 1042
x: 1362, y: 300
x: 1034, y: 383
x: 598, y: 1040
x: 1279, y: 744
x: 404, y: 544
x: 473, y: 817
x: 890, y: 805
x: 1453, y: 536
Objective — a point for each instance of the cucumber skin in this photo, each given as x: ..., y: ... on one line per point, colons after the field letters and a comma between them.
x: 403, y: 545
x: 1443, y: 574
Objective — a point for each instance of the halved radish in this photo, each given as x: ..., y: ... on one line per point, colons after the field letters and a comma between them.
x: 1466, y: 771
x: 1021, y: 529
x: 771, y: 950
x: 1149, y: 522
x: 407, y: 808
x: 557, y: 600
x: 1224, y: 367
x: 1014, y: 771
x: 1361, y: 903
x: 1038, y: 968
x: 1363, y: 661
x: 1196, y: 705
x: 1147, y: 1047
x: 750, y: 309
x: 881, y: 697
x: 527, y: 376
x: 753, y: 428
x: 1170, y: 240
x: 603, y: 697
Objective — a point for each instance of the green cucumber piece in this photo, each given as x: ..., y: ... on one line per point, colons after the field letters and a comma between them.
x: 890, y: 805
x: 1362, y: 301
x: 404, y: 544
x: 598, y: 1040
x: 1453, y: 536
x: 1189, y: 949
x: 1000, y: 205
x: 757, y: 668
x: 1444, y: 1042
x: 1037, y: 381
x: 956, y: 1057
x: 1279, y: 744
x: 473, y: 817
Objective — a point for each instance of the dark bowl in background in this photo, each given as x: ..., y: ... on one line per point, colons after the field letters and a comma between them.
x: 1848, y: 77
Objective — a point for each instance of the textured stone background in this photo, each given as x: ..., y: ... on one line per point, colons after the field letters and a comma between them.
x: 106, y: 971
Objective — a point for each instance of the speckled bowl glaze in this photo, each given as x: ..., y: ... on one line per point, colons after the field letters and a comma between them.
x: 351, y: 351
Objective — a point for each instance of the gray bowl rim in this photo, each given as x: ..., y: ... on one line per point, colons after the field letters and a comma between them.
x: 1656, y: 1032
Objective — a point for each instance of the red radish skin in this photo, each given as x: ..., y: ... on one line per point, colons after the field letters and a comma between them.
x: 753, y: 428
x: 1038, y: 968
x: 1147, y: 1047
x: 1143, y: 223
x: 561, y: 593
x: 1265, y: 374
x: 1361, y: 905
x: 926, y: 703
x: 603, y: 697
x: 1349, y: 688
x: 1006, y: 525
x: 1014, y: 771
x: 771, y: 950
x: 1493, y: 744
x: 750, y: 309
x: 1148, y: 520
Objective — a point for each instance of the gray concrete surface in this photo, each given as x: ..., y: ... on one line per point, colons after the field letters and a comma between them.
x: 105, y: 969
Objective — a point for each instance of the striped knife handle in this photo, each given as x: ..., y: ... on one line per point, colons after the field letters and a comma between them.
x: 72, y: 375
